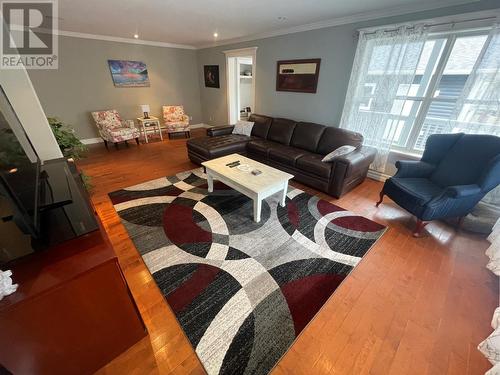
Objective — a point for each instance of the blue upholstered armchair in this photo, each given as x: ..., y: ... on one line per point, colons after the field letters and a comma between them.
x: 454, y: 174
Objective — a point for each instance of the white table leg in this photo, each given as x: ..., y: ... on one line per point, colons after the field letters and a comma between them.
x: 210, y: 181
x: 145, y: 132
x: 159, y: 131
x: 283, y: 194
x: 257, y: 206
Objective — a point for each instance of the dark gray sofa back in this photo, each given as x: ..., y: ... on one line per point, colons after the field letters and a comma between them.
x: 261, y: 125
x: 281, y: 130
x: 307, y: 135
x: 333, y: 138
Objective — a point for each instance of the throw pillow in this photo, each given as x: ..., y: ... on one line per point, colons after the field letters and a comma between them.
x: 342, y: 150
x: 490, y: 347
x: 243, y: 128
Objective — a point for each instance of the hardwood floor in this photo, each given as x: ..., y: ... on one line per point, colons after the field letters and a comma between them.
x: 412, y: 306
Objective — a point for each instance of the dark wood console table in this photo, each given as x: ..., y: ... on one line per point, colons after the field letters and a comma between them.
x: 72, y: 313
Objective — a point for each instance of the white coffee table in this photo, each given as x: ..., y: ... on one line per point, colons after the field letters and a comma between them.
x: 257, y: 188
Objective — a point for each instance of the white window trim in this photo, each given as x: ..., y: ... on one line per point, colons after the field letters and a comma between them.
x: 428, y: 96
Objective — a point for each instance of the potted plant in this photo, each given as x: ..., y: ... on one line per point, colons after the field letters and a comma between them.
x: 71, y: 147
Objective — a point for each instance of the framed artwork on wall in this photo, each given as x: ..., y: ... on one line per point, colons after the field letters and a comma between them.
x: 129, y: 73
x: 211, y: 76
x: 298, y: 75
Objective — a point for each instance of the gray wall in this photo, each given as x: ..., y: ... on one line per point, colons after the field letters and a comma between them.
x: 83, y: 82
x: 335, y: 46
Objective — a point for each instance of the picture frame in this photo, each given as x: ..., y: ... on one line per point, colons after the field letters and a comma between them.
x: 126, y: 73
x: 298, y: 75
x: 211, y: 74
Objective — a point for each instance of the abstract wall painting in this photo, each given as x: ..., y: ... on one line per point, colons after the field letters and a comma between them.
x: 129, y: 73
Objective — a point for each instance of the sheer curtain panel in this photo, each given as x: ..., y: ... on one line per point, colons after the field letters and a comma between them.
x: 383, y: 71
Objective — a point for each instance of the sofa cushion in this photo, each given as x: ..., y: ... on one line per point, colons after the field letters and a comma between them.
x: 214, y: 147
x: 307, y: 135
x: 261, y: 125
x: 332, y: 138
x: 286, y: 154
x: 260, y: 147
x: 281, y: 131
x: 312, y: 164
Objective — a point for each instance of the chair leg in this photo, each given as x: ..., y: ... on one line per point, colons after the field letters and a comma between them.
x: 137, y: 141
x: 126, y: 143
x: 189, y: 134
x: 381, y: 198
x: 116, y: 145
x: 419, y: 227
x: 106, y: 144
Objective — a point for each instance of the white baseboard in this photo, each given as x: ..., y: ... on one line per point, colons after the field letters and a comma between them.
x: 89, y: 141
x: 200, y: 125
x: 378, y: 176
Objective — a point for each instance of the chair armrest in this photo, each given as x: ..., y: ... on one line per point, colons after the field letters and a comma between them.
x: 491, y: 176
x: 185, y: 118
x: 220, y: 130
x: 410, y: 168
x: 460, y: 191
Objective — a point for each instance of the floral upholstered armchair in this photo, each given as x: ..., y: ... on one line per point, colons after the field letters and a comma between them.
x: 113, y: 129
x: 175, y: 120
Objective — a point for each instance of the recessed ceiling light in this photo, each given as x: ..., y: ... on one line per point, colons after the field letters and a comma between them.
x: 282, y: 18
x: 216, y: 35
x: 136, y: 36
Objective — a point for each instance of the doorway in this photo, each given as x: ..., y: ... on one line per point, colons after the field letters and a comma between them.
x: 240, y: 70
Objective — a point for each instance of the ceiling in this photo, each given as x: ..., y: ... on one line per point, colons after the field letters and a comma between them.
x: 193, y: 22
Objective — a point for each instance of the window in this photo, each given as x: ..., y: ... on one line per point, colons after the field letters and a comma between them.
x: 426, y: 105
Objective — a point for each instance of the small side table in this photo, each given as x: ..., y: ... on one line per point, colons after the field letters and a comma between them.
x: 151, y: 124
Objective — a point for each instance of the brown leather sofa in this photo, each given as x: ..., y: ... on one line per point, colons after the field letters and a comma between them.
x: 294, y: 147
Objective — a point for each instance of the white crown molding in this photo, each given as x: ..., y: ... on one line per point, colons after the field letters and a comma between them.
x: 359, y: 17
x: 123, y: 40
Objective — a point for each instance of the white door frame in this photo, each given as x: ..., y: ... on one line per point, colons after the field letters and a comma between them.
x: 231, y: 89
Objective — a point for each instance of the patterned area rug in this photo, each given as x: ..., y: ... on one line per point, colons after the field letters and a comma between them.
x: 242, y: 291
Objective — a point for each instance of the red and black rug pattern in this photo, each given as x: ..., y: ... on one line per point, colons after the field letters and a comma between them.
x: 242, y: 291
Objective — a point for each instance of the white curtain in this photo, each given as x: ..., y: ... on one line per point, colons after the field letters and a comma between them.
x: 478, y: 109
x: 490, y: 347
x: 383, y: 71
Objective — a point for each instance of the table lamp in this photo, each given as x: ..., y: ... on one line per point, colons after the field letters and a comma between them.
x: 145, y: 110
